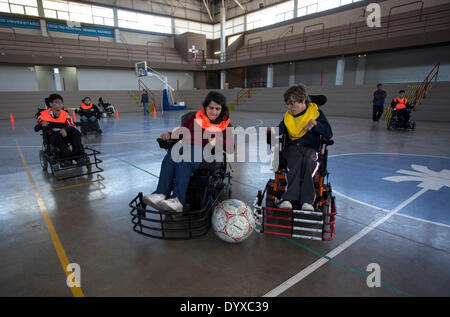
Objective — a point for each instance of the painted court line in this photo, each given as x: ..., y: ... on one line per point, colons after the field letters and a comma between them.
x: 77, y: 291
x: 385, y: 210
x: 314, y: 266
x: 348, y: 267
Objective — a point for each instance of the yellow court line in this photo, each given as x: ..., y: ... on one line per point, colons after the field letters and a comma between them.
x: 74, y: 185
x: 77, y: 292
x: 60, y: 188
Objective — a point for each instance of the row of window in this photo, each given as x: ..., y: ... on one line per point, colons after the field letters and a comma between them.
x: 87, y: 13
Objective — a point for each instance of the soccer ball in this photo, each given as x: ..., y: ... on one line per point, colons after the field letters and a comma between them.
x: 233, y: 221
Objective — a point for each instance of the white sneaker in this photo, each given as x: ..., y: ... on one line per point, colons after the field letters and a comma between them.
x: 285, y: 205
x: 307, y: 207
x: 154, y: 199
x: 172, y: 204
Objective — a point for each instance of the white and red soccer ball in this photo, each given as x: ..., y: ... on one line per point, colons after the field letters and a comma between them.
x: 233, y: 221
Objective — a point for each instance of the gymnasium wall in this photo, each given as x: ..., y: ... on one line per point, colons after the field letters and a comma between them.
x: 117, y: 79
x: 18, y: 78
x: 410, y: 65
x: 336, y: 17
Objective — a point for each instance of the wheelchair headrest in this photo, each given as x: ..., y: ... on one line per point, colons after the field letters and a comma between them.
x: 320, y: 100
x: 186, y: 116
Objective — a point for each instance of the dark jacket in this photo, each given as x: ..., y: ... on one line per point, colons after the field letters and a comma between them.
x: 378, y: 97
x: 94, y: 111
x: 144, y: 98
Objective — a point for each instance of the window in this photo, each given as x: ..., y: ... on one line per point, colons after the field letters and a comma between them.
x: 306, y: 7
x: 264, y: 17
x: 182, y: 26
x: 27, y: 7
x: 79, y: 12
x: 145, y: 22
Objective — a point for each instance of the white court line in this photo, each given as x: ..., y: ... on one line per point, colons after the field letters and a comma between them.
x: 346, y: 154
x: 314, y: 266
x: 385, y: 210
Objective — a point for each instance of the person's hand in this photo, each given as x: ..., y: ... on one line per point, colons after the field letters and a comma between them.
x: 165, y: 136
x: 63, y: 132
x: 212, y: 141
x: 311, y: 124
x: 44, y: 123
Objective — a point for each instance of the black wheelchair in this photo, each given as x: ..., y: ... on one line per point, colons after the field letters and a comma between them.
x: 108, y: 110
x: 399, y: 120
x: 50, y: 155
x: 209, y: 184
x: 296, y: 223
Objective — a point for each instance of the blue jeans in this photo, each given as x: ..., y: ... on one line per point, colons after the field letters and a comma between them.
x: 175, y: 176
x: 91, y: 119
x: 145, y: 104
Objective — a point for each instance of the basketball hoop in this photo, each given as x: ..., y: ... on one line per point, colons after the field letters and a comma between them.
x: 141, y: 69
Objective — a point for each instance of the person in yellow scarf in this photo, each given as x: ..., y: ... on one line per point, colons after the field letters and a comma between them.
x: 303, y: 124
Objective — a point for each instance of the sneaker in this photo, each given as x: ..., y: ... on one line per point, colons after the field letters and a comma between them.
x: 285, y: 205
x: 153, y: 199
x: 307, y: 207
x: 172, y: 204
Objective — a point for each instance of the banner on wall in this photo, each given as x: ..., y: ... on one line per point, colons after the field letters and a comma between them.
x: 85, y: 30
x: 19, y: 23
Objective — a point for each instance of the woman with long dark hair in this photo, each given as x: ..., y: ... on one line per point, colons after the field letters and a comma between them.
x: 174, y: 176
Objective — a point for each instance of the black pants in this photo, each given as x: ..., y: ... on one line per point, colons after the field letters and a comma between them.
x: 377, y: 112
x: 403, y: 116
x: 302, y: 166
x: 73, y: 136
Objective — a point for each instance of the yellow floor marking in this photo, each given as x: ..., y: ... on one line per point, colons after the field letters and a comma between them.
x: 60, y: 188
x: 74, y: 185
x: 77, y: 292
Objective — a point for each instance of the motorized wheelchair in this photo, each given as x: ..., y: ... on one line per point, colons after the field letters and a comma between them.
x: 108, y: 110
x: 89, y: 127
x: 395, y: 120
x: 209, y: 184
x: 49, y: 155
x: 296, y: 223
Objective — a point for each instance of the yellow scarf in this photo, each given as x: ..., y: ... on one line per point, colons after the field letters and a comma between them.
x: 295, y: 125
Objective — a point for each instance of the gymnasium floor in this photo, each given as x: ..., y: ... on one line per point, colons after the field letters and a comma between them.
x: 403, y: 226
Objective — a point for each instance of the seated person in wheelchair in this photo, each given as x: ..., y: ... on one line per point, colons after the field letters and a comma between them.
x: 213, y: 117
x: 401, y: 107
x: 303, y: 124
x: 61, y: 128
x: 107, y: 107
x: 89, y: 113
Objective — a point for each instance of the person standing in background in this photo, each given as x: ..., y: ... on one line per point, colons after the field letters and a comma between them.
x: 144, y: 101
x: 378, y: 102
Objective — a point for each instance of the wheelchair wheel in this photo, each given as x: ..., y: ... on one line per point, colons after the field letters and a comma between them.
x: 43, y: 161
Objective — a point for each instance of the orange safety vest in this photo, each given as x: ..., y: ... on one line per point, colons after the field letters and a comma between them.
x: 202, y: 120
x: 402, y: 103
x: 46, y: 116
x: 83, y: 106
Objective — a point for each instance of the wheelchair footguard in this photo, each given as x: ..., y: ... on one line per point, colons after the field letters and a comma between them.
x: 204, y: 194
x: 295, y: 223
x: 60, y: 166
